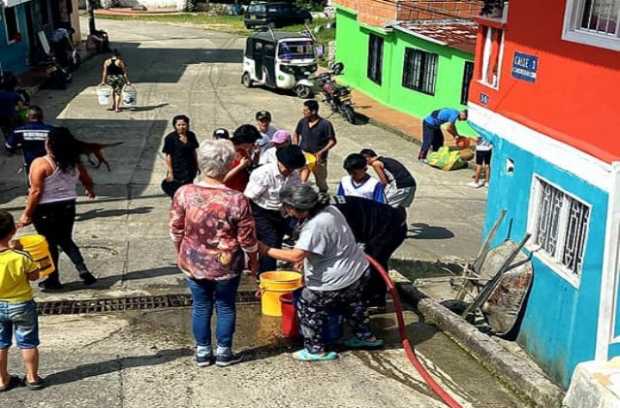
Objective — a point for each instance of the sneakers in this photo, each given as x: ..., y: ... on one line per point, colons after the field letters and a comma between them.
x: 305, y: 355
x: 88, y: 278
x: 473, y: 184
x: 227, y: 359
x: 50, y: 286
x: 85, y: 275
x: 204, y: 360
x: 357, y: 343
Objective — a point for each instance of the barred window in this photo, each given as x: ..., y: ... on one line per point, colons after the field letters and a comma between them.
x: 561, y: 224
x: 420, y: 71
x: 601, y: 16
x: 593, y: 22
x: 375, y: 58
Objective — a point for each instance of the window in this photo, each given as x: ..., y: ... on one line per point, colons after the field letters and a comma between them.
x: 492, y: 55
x: 593, y: 22
x: 559, y: 227
x: 420, y: 71
x: 12, y: 26
x: 468, y: 73
x: 375, y: 58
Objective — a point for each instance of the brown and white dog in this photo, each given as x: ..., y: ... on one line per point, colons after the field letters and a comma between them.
x: 94, y: 153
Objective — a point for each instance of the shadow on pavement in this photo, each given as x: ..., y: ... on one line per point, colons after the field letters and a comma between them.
x: 425, y: 231
x: 101, y: 213
x: 110, y: 366
x: 109, y: 281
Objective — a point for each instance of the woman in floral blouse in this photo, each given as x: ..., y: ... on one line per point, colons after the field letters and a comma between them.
x: 213, y: 231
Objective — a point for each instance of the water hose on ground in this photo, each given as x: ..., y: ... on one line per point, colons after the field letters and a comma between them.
x: 409, y: 351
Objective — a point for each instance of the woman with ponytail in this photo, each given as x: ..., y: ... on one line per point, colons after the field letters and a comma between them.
x: 51, y: 201
x: 336, y: 271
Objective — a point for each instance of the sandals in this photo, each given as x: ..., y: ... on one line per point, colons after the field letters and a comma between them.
x: 305, y: 355
x: 357, y: 343
x: 14, y: 381
x: 37, y: 385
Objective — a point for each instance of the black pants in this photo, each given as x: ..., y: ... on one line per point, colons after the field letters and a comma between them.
x: 381, y: 248
x: 271, y: 227
x: 55, y: 222
x: 431, y: 138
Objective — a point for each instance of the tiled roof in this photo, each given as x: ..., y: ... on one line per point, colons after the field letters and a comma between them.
x: 459, y: 34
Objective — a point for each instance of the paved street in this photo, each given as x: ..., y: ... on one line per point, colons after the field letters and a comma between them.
x: 138, y: 360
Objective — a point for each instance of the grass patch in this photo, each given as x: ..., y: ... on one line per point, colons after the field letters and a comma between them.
x: 231, y: 24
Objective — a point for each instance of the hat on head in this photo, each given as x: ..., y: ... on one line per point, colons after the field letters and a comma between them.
x: 281, y: 136
x: 263, y: 115
x: 221, y: 133
x: 291, y: 157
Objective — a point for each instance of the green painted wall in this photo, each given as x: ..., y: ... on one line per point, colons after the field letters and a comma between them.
x: 352, y: 50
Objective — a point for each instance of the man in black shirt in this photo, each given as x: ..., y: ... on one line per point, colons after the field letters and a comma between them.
x: 315, y: 135
x: 31, y: 137
x: 381, y: 228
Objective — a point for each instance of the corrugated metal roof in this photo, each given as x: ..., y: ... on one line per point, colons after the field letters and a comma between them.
x: 459, y: 34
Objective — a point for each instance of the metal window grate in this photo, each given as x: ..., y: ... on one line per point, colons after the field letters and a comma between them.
x: 420, y: 71
x: 375, y: 58
x: 562, y: 226
x: 601, y: 16
x: 578, y: 217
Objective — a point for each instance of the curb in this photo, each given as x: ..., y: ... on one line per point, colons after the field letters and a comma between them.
x: 513, y: 372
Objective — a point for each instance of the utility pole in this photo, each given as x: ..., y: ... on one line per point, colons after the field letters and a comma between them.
x: 90, y: 7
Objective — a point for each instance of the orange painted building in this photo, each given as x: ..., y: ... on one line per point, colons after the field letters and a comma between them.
x: 545, y: 93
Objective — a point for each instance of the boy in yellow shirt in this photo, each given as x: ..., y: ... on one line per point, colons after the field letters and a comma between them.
x: 18, y: 311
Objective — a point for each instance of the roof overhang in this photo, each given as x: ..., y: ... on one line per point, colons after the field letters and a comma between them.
x: 12, y: 3
x: 421, y: 36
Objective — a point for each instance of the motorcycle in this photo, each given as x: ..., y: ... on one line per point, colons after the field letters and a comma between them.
x: 338, y: 97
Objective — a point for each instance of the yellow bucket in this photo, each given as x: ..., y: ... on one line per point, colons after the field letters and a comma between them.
x: 275, y: 284
x: 310, y: 161
x: 37, y: 247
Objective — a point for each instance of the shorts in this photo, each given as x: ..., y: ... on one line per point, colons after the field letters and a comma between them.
x: 22, y: 319
x: 399, y: 197
x: 483, y: 157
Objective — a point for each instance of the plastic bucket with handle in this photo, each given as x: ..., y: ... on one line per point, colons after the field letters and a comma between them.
x: 310, y: 161
x: 103, y: 94
x: 129, y: 96
x: 37, y: 247
x: 275, y: 284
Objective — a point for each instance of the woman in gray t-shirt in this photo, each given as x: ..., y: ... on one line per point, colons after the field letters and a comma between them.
x: 336, y: 271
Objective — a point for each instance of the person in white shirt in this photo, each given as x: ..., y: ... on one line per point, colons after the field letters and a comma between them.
x: 483, y: 161
x: 281, y: 138
x: 263, y: 191
x: 359, y: 183
x: 263, y: 124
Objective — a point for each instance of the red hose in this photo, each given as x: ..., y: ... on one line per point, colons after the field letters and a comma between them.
x: 409, y: 351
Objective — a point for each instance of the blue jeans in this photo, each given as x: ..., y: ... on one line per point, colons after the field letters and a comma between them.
x: 21, y: 318
x: 206, y: 293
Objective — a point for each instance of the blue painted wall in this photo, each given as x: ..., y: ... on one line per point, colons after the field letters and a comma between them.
x: 14, y: 56
x: 560, y: 322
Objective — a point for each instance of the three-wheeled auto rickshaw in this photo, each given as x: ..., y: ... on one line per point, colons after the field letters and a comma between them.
x: 280, y: 60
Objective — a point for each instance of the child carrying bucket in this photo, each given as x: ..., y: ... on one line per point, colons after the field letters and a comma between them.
x: 18, y: 311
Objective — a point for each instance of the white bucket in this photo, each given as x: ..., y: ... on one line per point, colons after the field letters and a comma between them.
x: 129, y: 96
x: 103, y: 95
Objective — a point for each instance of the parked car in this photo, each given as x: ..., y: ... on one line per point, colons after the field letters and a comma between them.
x: 278, y: 14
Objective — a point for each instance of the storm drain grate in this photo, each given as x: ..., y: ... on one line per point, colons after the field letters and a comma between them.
x: 122, y: 304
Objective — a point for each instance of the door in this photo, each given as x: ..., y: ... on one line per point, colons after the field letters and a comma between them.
x: 31, y: 35
x: 259, y: 55
x: 270, y: 64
